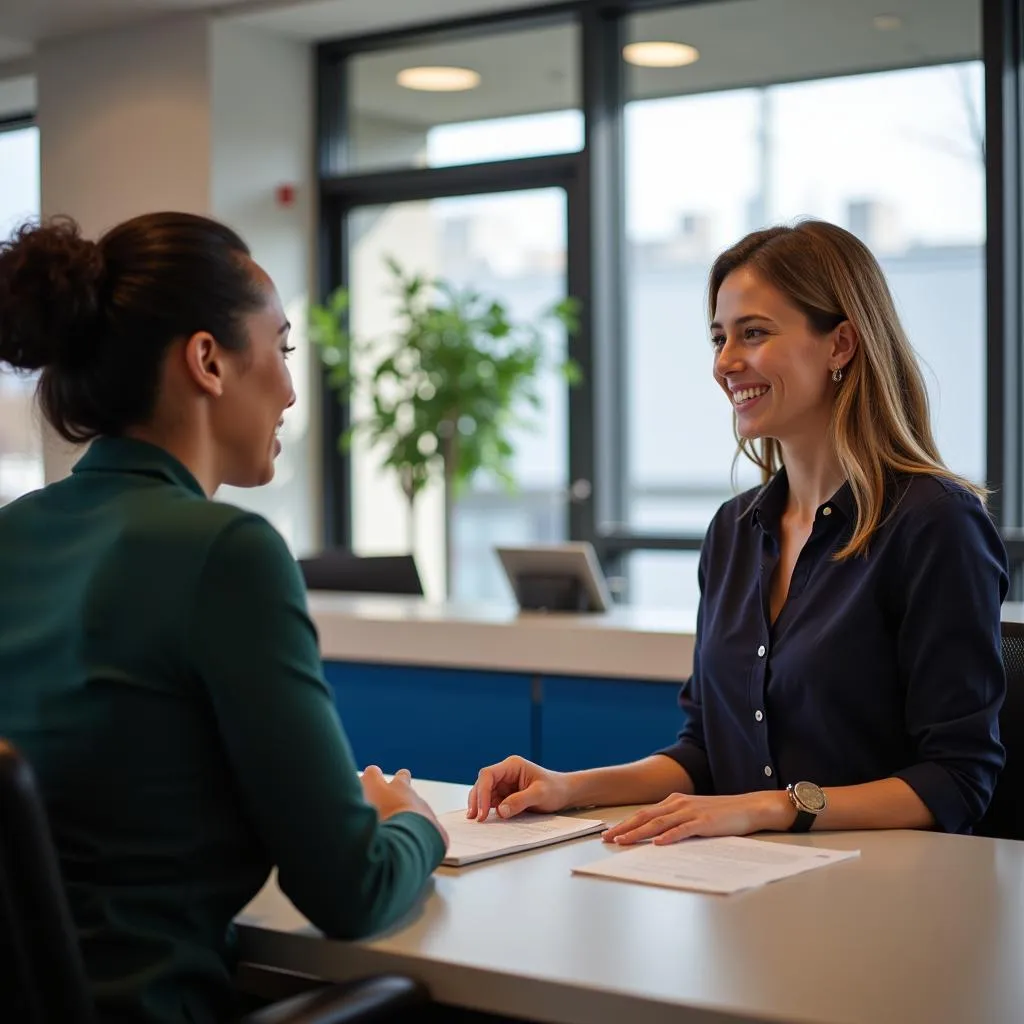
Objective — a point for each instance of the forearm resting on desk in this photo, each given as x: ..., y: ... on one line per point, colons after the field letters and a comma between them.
x: 641, y: 782
x: 516, y: 785
x: 887, y: 803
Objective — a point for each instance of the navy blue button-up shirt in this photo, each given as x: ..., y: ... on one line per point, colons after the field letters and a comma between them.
x: 881, y: 665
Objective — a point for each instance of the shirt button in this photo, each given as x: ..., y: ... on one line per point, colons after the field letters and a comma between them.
x: 827, y: 510
x: 768, y: 770
x: 760, y: 651
x: 758, y: 716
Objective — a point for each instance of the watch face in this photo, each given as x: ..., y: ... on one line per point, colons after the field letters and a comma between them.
x: 811, y: 796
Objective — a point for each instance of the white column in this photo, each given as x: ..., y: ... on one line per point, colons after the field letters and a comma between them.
x: 124, y: 128
x: 207, y: 117
x: 124, y: 121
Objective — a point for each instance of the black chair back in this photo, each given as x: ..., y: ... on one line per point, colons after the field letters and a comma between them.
x: 339, y: 569
x: 41, y: 974
x: 1004, y: 818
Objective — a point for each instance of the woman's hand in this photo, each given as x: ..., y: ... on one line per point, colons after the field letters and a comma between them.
x: 396, y: 796
x: 517, y: 785
x: 680, y: 817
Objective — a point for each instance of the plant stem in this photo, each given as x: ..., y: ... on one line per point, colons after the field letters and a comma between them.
x: 449, y: 455
x: 410, y: 521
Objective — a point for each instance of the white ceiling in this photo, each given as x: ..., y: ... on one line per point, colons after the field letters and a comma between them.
x: 741, y: 42
x: 756, y: 42
x: 335, y: 19
x: 25, y: 23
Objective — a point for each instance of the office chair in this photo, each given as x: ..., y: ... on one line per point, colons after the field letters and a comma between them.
x: 42, y: 978
x: 1004, y: 818
x: 339, y: 569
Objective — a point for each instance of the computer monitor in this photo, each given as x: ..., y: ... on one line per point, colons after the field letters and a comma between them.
x: 556, y: 577
x: 339, y: 569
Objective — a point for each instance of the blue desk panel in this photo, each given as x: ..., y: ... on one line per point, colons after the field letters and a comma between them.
x: 443, y: 724
x: 585, y: 723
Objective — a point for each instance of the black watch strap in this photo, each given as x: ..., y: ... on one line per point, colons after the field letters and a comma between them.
x: 804, y: 821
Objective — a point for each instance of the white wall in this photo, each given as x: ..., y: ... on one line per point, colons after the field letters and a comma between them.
x: 262, y: 137
x: 208, y: 117
x: 125, y: 122
x: 124, y: 129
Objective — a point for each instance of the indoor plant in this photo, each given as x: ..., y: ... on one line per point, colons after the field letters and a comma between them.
x: 445, y: 387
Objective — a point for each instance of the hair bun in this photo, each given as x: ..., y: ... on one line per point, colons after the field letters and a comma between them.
x: 50, y: 282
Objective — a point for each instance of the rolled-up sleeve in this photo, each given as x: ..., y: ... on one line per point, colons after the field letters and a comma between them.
x: 689, y: 750
x: 954, y: 581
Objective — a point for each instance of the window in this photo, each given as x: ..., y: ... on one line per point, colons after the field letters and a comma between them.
x: 473, y: 100
x: 767, y: 111
x: 21, y: 451
x: 510, y: 246
x: 762, y: 129
x: 661, y: 579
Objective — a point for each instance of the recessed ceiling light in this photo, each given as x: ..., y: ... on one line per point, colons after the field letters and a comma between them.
x: 438, y: 79
x: 887, y: 22
x: 658, y: 54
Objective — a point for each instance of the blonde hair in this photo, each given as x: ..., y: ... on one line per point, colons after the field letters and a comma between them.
x: 880, y: 422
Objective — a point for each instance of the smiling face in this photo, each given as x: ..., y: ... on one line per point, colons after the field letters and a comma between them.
x: 775, y: 369
x: 258, y: 390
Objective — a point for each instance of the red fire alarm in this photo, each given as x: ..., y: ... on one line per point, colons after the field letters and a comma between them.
x: 285, y: 195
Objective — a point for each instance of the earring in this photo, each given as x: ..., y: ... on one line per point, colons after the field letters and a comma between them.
x: 837, y: 375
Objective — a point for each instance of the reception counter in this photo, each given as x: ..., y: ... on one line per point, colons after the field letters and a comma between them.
x: 652, y: 644
x: 444, y: 689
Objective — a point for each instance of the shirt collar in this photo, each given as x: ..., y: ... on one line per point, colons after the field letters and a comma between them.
x: 126, y: 455
x: 844, y: 500
x: 767, y: 507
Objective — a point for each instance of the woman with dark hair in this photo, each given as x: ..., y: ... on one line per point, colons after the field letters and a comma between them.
x: 158, y: 666
x: 847, y: 670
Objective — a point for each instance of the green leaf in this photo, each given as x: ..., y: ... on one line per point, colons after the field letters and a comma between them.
x: 453, y: 356
x: 572, y: 372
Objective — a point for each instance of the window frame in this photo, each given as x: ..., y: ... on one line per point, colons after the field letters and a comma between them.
x: 17, y: 122
x: 340, y: 192
x: 594, y: 178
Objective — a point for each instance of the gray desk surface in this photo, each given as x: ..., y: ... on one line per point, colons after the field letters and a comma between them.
x: 920, y: 928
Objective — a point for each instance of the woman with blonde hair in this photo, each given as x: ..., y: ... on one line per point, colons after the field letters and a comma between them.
x: 847, y: 670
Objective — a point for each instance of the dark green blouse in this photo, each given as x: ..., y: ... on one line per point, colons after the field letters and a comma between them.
x: 159, y: 669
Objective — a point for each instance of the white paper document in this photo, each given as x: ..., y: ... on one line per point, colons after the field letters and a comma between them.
x: 713, y: 865
x: 480, y: 840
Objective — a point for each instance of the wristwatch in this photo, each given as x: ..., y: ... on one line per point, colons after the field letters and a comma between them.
x: 809, y: 801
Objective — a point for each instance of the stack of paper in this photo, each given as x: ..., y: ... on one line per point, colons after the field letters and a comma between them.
x: 713, y: 865
x: 473, y: 840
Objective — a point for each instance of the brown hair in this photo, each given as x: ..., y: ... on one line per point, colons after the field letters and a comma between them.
x: 880, y: 420
x: 98, y: 317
